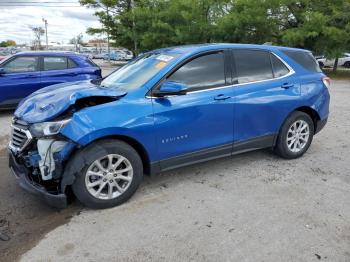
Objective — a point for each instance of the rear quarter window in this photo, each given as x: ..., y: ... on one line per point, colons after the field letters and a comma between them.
x: 305, y: 59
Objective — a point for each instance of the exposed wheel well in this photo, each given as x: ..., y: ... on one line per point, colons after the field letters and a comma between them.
x: 137, y: 146
x: 311, y: 112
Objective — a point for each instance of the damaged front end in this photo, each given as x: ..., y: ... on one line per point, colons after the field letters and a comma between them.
x: 37, y: 155
x: 38, y: 152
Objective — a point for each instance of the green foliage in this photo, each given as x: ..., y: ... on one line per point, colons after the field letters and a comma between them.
x: 7, y: 43
x: 321, y: 26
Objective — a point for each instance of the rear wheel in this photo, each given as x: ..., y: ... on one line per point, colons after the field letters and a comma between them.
x: 112, y: 173
x: 295, y: 136
x: 347, y: 64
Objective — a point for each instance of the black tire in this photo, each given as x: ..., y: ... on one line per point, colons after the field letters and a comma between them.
x: 281, y: 147
x: 96, y: 151
x: 347, y: 64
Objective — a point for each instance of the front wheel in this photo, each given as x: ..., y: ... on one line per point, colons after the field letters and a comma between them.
x: 112, y: 173
x: 347, y: 64
x: 295, y: 136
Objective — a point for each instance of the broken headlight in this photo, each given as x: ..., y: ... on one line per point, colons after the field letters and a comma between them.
x: 47, y: 128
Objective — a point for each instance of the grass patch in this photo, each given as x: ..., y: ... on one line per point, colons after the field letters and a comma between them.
x: 341, y: 74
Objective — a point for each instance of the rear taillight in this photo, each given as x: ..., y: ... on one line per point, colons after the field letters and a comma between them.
x: 326, y: 81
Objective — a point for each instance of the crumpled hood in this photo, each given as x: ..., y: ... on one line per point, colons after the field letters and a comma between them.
x: 47, y: 103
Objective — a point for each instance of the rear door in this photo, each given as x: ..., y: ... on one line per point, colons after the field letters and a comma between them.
x: 58, y: 69
x: 21, y: 78
x: 200, y: 122
x: 266, y: 91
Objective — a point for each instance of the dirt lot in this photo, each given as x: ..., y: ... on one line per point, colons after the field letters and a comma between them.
x: 251, y: 207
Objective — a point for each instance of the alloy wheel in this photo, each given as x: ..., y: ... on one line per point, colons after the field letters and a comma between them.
x: 109, y: 177
x: 298, y: 136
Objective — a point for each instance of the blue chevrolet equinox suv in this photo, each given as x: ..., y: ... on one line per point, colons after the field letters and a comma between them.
x: 166, y: 109
x: 26, y: 72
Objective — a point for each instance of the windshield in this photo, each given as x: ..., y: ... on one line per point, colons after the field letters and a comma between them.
x: 138, y: 72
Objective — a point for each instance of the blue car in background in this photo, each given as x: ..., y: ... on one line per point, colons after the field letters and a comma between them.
x: 166, y: 109
x: 26, y: 72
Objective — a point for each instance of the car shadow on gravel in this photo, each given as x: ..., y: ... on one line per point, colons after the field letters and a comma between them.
x: 25, y: 219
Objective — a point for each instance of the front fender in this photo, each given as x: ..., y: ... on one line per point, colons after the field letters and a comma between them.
x: 133, y: 120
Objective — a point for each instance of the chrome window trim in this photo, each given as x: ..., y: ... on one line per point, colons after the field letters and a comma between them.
x: 291, y: 72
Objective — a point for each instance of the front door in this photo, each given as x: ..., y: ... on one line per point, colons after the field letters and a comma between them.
x: 199, y: 124
x: 21, y: 77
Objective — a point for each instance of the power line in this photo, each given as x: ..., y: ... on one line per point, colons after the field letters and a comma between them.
x: 54, y: 3
x: 36, y: 3
x: 39, y: 2
x: 42, y: 5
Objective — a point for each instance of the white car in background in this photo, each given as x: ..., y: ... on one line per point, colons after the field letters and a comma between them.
x: 128, y: 55
x: 99, y: 55
x: 343, y: 61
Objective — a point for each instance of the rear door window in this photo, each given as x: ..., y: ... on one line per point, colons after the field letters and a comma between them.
x: 55, y: 63
x: 203, y: 72
x: 279, y: 68
x: 252, y: 65
x: 22, y: 64
x: 305, y: 59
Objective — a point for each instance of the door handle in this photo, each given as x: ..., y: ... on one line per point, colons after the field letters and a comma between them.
x: 221, y: 97
x: 287, y: 85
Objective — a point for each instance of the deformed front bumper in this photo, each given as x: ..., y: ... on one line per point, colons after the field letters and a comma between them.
x: 21, y: 173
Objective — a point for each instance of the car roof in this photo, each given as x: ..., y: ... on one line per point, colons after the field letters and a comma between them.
x: 213, y: 46
x: 48, y: 53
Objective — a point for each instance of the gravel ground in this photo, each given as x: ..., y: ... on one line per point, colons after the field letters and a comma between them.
x: 250, y: 207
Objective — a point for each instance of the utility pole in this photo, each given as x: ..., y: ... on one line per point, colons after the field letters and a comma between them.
x: 134, y: 27
x: 47, y: 43
x: 108, y: 49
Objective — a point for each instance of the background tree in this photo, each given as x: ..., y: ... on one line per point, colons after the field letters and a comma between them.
x: 7, y: 43
x: 321, y: 26
x: 141, y: 25
x: 245, y: 21
x: 106, y: 11
x: 77, y: 41
x: 38, y: 33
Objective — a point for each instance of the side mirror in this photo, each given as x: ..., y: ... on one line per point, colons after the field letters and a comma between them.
x: 2, y: 71
x: 170, y: 88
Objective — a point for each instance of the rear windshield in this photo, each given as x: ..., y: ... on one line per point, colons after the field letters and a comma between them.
x: 305, y: 59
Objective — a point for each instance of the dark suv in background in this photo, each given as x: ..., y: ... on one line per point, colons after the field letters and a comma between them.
x: 24, y: 73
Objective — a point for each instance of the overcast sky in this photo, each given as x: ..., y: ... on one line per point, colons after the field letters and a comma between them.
x: 17, y: 16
